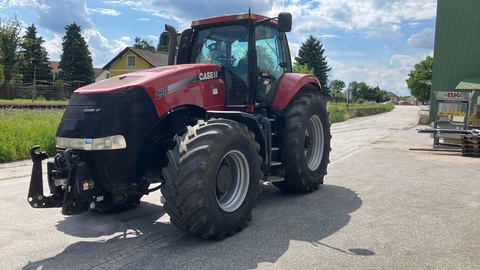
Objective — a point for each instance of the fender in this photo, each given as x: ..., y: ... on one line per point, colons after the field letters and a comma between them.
x: 289, y: 85
x: 152, y: 154
x: 259, y: 125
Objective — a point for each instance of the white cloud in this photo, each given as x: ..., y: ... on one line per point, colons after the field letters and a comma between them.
x: 101, y: 49
x: 387, y: 78
x: 55, y: 15
x: 54, y: 47
x: 294, y: 48
x: 376, y: 18
x: 184, y: 11
x: 384, y: 31
x: 34, y: 4
x: 424, y: 39
x: 350, y: 53
x: 105, y: 11
x: 328, y: 36
x: 153, y: 38
x: 126, y: 3
x: 390, y: 76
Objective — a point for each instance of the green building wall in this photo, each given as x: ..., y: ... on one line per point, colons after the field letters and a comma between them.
x: 457, y: 46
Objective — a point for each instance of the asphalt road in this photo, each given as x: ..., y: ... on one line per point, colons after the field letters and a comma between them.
x: 382, y: 206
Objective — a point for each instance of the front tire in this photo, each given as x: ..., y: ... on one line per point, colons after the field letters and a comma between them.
x: 306, y: 144
x: 211, y: 181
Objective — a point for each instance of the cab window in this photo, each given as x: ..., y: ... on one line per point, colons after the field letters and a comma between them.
x: 226, y: 46
x: 269, y: 58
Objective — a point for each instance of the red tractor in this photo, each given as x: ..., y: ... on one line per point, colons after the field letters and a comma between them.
x: 206, y: 129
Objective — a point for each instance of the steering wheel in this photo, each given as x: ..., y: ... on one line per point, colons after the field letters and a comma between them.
x: 226, y: 60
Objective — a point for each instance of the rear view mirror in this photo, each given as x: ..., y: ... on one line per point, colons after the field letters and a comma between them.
x: 284, y: 22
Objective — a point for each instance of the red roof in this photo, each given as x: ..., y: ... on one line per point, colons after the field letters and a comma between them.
x: 54, y: 66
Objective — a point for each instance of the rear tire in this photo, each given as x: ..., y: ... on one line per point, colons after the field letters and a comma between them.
x: 306, y: 144
x: 211, y: 181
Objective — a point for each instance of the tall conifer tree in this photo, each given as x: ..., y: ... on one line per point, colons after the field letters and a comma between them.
x: 76, y: 60
x: 34, y: 58
x: 311, y: 54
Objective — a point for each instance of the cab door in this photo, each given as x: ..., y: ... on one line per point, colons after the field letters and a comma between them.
x: 272, y: 62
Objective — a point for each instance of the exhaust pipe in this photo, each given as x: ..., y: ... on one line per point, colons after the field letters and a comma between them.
x: 172, y: 47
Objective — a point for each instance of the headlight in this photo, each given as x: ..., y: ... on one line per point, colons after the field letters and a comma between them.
x: 105, y: 143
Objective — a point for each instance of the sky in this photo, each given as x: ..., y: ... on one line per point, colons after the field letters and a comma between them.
x: 373, y: 41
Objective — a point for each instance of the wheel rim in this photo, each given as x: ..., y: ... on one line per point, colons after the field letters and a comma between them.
x: 313, y: 144
x: 232, y: 180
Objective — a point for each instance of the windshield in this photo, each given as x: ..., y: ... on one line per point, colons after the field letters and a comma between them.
x: 226, y: 46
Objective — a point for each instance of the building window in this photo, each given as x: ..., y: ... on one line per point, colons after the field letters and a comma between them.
x: 131, y: 61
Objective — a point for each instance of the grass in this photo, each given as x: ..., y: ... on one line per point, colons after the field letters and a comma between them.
x: 21, y: 129
x: 339, y: 112
x: 39, y: 100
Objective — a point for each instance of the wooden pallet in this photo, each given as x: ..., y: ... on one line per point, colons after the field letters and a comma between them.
x: 471, y: 145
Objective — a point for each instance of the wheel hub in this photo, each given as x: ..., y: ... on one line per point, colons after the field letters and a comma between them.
x: 224, y: 178
x: 231, y: 184
x: 313, y: 143
x: 308, y: 142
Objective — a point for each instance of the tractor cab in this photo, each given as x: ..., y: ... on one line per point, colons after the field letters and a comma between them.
x: 252, y: 50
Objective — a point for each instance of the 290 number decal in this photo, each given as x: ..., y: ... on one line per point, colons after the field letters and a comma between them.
x: 161, y: 92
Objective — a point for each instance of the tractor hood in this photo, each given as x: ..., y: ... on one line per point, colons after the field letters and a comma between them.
x: 200, y: 85
x: 174, y: 76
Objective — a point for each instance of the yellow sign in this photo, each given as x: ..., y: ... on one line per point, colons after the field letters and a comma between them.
x: 452, y: 113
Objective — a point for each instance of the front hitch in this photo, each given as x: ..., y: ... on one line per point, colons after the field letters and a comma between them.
x: 73, y: 203
x: 35, y: 191
x: 71, y: 184
x: 63, y: 173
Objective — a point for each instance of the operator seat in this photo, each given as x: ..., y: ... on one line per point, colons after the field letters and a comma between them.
x: 237, y: 91
x: 242, y: 67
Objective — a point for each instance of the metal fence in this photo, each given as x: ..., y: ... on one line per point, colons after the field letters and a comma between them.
x: 30, y: 91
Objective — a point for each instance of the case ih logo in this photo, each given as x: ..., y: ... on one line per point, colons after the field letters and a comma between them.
x: 453, y: 95
x: 208, y: 75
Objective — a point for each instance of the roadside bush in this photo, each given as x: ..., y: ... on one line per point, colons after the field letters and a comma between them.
x: 336, y: 116
x: 339, y: 112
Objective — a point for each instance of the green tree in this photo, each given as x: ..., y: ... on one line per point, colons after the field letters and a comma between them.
x: 419, y: 79
x: 336, y: 88
x: 34, y: 62
x: 303, y: 69
x: 142, y: 43
x: 9, y: 42
x: 362, y: 90
x: 380, y: 95
x: 353, y: 89
x: 311, y: 53
x: 75, y: 61
x: 1, y: 75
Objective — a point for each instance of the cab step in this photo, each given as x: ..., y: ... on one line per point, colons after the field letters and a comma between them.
x: 273, y: 178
